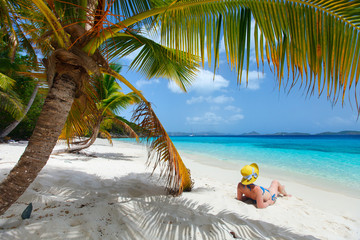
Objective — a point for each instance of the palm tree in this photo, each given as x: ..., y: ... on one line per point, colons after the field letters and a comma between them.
x: 103, y: 99
x: 308, y: 37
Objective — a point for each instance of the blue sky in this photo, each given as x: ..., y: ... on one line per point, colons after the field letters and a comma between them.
x: 223, y: 106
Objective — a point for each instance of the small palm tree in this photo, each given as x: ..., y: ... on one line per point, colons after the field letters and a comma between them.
x: 103, y: 99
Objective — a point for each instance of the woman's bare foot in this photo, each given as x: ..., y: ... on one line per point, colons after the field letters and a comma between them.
x: 282, y: 190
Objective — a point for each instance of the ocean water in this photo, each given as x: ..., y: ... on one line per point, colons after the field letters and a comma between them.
x: 329, y: 160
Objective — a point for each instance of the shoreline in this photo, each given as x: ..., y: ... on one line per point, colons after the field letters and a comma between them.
x: 109, y: 193
x: 274, y: 173
x: 327, y: 180
x: 297, y: 187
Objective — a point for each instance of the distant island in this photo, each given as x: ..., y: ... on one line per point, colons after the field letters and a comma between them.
x: 341, y: 133
x: 253, y: 133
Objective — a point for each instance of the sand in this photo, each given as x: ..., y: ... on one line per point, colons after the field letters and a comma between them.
x: 109, y: 193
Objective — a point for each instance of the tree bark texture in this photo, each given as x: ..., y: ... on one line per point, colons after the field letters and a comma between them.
x: 48, y: 128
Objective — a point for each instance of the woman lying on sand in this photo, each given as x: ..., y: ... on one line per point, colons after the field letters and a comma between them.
x: 263, y: 197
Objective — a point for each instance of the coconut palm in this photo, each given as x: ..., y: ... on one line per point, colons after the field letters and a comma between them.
x: 307, y: 37
x: 103, y: 99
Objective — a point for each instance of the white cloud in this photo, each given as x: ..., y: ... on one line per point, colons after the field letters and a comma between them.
x: 336, y: 121
x: 254, y: 79
x: 143, y: 82
x: 204, y: 83
x: 222, y: 99
x: 195, y: 100
x: 232, y: 108
x: 215, y: 108
x: 208, y: 118
x: 236, y: 117
x: 174, y: 88
x: 217, y: 100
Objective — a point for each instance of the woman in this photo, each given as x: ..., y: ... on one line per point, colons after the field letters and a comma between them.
x: 263, y: 196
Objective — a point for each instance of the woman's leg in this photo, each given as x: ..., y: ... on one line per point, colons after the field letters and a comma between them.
x: 276, y: 188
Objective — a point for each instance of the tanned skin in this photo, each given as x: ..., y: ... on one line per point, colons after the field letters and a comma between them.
x: 254, y: 192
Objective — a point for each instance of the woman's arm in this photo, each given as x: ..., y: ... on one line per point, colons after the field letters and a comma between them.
x: 240, y: 194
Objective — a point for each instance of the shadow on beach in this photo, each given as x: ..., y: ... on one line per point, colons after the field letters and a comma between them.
x: 76, y: 205
x: 113, y: 156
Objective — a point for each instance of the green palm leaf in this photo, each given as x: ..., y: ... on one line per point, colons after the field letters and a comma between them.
x: 102, y: 98
x: 161, y: 146
x: 9, y: 101
x: 293, y: 31
x: 163, y: 151
x: 131, y: 8
x: 154, y: 60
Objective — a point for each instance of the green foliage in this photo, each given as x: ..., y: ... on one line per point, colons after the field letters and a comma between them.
x: 154, y: 60
x: 23, y: 88
x: 95, y: 112
x: 117, y: 130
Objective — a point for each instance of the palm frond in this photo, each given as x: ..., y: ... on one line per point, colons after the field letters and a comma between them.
x: 118, y: 101
x: 105, y: 134
x: 320, y: 41
x: 82, y: 116
x: 6, y: 24
x: 101, y: 99
x: 126, y: 127
x: 293, y: 32
x: 59, y: 32
x: 9, y: 100
x: 154, y: 60
x: 71, y: 11
x: 131, y: 8
x: 163, y: 151
x: 6, y: 82
x: 177, y: 175
x: 317, y: 40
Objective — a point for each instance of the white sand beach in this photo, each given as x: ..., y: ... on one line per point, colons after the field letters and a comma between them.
x: 109, y: 193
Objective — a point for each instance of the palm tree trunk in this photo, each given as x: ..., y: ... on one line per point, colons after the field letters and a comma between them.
x: 89, y: 142
x: 48, y: 128
x: 93, y: 137
x: 13, y: 125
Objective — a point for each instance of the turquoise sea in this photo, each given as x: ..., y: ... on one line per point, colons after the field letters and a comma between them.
x: 328, y: 160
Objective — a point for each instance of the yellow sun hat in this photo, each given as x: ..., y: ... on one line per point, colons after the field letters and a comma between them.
x: 250, y: 173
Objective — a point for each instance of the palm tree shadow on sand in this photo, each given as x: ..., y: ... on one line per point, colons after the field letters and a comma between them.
x: 76, y: 205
